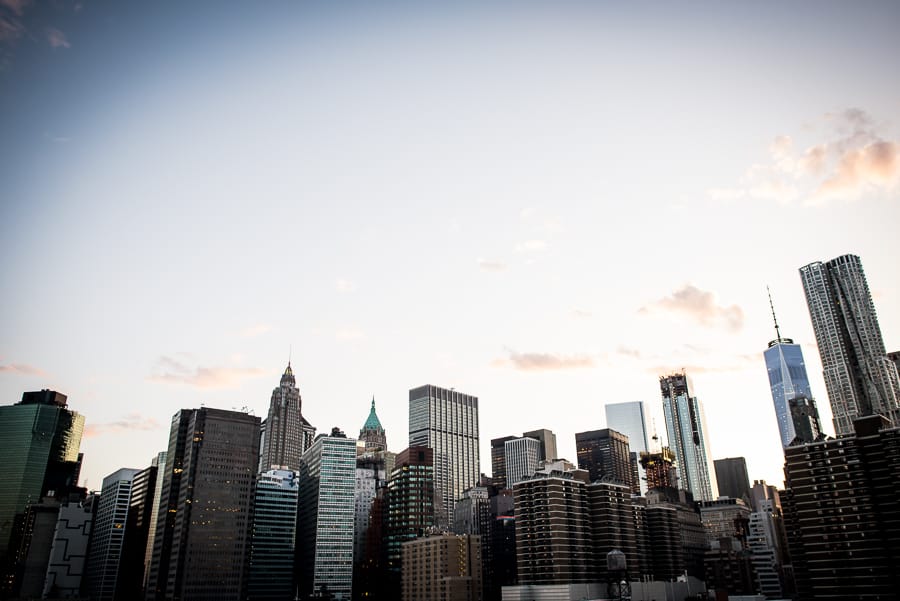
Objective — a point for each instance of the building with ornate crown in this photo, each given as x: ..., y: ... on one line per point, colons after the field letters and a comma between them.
x: 285, y: 434
x: 372, y: 432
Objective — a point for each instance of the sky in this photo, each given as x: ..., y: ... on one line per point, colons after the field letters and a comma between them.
x: 545, y: 205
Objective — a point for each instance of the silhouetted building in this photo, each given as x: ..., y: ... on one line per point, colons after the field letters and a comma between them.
x: 731, y: 475
x: 69, y: 550
x: 859, y: 377
x: 201, y: 548
x: 548, y: 443
x: 686, y: 427
x: 659, y: 468
x: 805, y: 419
x: 605, y: 454
x: 842, y: 513
x: 677, y: 538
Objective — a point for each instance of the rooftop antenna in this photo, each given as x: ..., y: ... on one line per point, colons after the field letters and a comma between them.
x: 775, y: 319
x: 290, y: 352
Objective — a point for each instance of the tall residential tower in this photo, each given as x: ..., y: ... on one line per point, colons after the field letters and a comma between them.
x: 859, y: 377
x: 686, y: 427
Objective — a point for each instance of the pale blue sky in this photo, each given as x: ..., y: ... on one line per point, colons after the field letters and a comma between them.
x: 544, y: 205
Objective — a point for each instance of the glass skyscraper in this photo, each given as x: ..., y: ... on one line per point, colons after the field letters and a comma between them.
x: 787, y: 380
x: 859, y: 377
x: 686, y: 427
x: 325, y: 520
x: 272, y: 541
x: 447, y: 422
x: 631, y: 420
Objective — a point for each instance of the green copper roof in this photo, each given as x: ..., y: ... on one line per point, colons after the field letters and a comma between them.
x: 373, y: 423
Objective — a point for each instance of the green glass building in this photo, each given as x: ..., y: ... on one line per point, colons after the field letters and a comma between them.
x: 39, y: 442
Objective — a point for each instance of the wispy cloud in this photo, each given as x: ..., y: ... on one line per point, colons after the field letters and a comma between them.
x: 57, y: 39
x: 543, y: 361
x: 344, y: 285
x: 172, y: 371
x: 130, y: 423
x: 699, y: 306
x: 852, y: 160
x: 531, y: 246
x: 349, y: 333
x: 491, y: 265
x: 626, y: 351
x: 22, y: 369
x: 582, y: 313
x: 16, y: 7
x: 256, y: 330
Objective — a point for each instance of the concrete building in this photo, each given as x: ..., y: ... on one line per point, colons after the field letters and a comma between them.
x: 272, y: 543
x: 724, y: 517
x: 202, y: 546
x: 659, y: 469
x: 446, y: 421
x: 445, y: 567
x: 158, y: 507
x: 686, y: 427
x: 286, y: 434
x: 105, y: 558
x: 69, y: 550
x: 631, y: 420
x: 548, y: 443
x: 372, y: 434
x: 553, y: 526
x: 325, y: 519
x: 732, y: 478
x: 842, y: 513
x: 605, y: 454
x: 859, y: 377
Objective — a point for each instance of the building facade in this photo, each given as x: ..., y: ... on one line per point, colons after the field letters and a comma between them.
x: 442, y: 568
x: 631, y: 420
x: 325, y: 517
x: 447, y: 422
x: 787, y: 381
x: 498, y: 461
x: 108, y: 535
x: 548, y: 443
x: 273, y: 536
x: 372, y: 433
x: 522, y: 458
x: 859, y: 377
x: 686, y: 427
x: 287, y: 434
x: 732, y: 478
x: 605, y: 454
x: 201, y: 547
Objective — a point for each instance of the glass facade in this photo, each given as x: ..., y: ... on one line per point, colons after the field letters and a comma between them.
x: 325, y: 519
x: 787, y: 380
x: 272, y: 541
x: 686, y: 427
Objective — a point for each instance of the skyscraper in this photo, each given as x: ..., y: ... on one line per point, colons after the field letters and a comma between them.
x: 39, y: 442
x: 522, y: 458
x: 447, y: 422
x: 202, y: 544
x: 372, y: 432
x: 548, y: 443
x: 605, y: 454
x: 274, y: 532
x: 732, y: 478
x: 108, y: 535
x: 631, y: 420
x: 859, y: 377
x: 325, y: 518
x: 686, y: 428
x: 498, y: 461
x: 787, y: 380
x: 287, y: 433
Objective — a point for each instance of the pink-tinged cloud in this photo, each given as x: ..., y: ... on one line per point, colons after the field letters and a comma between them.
x: 130, y: 423
x: 699, y: 306
x: 543, y: 361
x: 57, y: 39
x: 20, y: 369
x: 170, y: 371
x: 17, y: 7
x: 256, y: 330
x: 876, y: 164
x: 10, y: 30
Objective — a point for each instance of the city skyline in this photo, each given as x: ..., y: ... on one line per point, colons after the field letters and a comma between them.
x: 548, y: 207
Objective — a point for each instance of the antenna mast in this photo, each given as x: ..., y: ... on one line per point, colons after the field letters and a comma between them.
x: 775, y: 319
